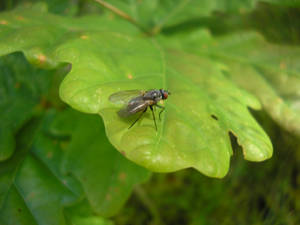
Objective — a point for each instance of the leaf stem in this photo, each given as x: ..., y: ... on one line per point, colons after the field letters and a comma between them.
x: 121, y: 14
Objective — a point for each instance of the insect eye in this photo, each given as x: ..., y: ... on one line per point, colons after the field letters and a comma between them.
x: 165, y: 95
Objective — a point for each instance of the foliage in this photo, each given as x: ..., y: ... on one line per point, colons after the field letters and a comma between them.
x: 273, y: 78
x: 121, y: 61
x: 49, y: 172
x: 252, y: 193
x: 56, y: 164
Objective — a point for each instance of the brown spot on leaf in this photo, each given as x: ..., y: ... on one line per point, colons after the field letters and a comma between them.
x: 122, y: 176
x: 84, y: 37
x: 108, y: 197
x: 30, y: 196
x: 129, y: 76
x: 3, y: 22
x: 282, y: 65
x: 123, y: 153
x: 44, y: 103
x: 41, y: 58
x: 49, y: 155
x: 21, y: 18
x: 17, y: 85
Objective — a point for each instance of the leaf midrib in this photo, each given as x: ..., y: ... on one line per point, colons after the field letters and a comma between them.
x: 163, y: 65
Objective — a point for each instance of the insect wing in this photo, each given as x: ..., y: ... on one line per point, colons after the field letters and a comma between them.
x: 123, y: 97
x: 135, y: 105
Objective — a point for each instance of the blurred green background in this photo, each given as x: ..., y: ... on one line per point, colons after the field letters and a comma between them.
x: 252, y: 193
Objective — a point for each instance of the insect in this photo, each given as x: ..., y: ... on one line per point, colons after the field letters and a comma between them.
x: 138, y: 101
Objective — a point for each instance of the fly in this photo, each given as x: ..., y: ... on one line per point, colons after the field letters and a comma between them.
x: 138, y: 101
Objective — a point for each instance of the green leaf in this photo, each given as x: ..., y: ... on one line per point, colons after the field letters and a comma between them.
x: 7, y: 144
x: 44, y: 32
x: 277, y: 90
x: 111, y: 57
x: 106, y: 176
x: 115, y: 191
x: 37, y: 191
x: 64, y: 7
x: 271, y: 72
x: 82, y: 214
x: 22, y: 88
x: 33, y: 190
x: 155, y: 13
x: 194, y: 130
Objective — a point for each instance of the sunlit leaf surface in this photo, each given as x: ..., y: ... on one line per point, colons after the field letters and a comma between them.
x: 269, y: 71
x: 203, y: 108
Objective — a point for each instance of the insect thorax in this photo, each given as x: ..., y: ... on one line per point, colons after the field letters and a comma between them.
x: 154, y: 95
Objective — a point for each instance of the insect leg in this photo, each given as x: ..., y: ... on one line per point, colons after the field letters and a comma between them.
x: 138, y: 118
x: 162, y: 109
x: 153, y: 117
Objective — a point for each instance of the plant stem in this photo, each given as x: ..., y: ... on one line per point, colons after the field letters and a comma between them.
x: 146, y: 201
x: 121, y: 14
